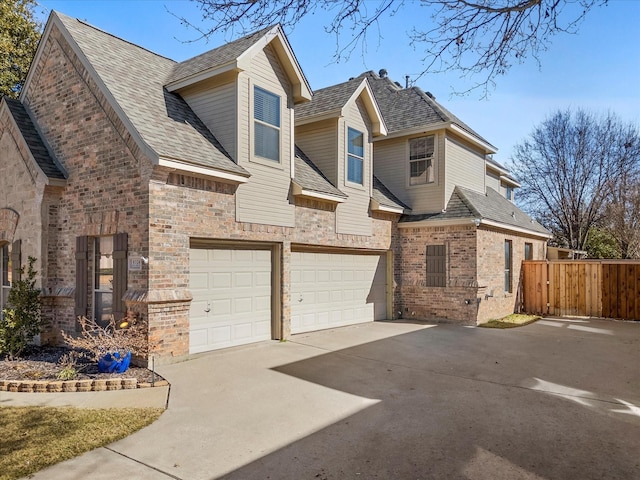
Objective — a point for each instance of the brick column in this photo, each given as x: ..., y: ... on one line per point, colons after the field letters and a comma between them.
x: 285, y: 279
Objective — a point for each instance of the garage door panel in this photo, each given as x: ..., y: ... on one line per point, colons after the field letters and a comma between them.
x: 336, y: 289
x: 199, y: 281
x: 263, y: 279
x: 221, y: 280
x: 235, y: 286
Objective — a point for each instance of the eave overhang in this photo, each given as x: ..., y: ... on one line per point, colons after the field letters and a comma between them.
x: 299, y: 191
x: 378, y: 207
x: 219, y: 175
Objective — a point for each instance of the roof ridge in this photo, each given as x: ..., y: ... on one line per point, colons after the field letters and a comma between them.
x: 435, y: 105
x: 87, y: 24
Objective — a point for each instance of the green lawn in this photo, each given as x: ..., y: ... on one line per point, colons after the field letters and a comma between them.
x: 34, y: 438
x: 510, y: 321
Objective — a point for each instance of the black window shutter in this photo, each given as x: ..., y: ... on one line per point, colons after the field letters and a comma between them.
x: 119, y: 275
x: 82, y: 275
x: 16, y: 260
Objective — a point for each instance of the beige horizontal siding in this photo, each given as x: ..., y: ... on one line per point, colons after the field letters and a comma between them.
x: 265, y: 198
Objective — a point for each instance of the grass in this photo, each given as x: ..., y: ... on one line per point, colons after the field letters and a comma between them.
x: 34, y: 438
x: 511, y: 321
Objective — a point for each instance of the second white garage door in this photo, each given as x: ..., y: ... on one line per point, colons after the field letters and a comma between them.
x: 231, y: 291
x: 332, y: 290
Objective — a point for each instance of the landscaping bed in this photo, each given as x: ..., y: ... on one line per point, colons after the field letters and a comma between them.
x: 38, y: 370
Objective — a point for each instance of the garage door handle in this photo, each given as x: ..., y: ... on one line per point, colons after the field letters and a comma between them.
x: 208, y: 309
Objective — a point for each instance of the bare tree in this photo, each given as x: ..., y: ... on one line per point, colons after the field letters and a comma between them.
x: 622, y: 210
x: 475, y: 37
x: 573, y: 168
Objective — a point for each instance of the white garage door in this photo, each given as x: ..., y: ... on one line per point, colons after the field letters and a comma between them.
x: 332, y: 290
x: 231, y: 298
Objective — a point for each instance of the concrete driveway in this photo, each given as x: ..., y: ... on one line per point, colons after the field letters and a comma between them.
x: 557, y: 399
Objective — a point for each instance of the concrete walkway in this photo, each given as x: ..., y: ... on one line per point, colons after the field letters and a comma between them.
x: 556, y: 399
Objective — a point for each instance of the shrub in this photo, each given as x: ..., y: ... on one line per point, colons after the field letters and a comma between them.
x: 21, y: 320
x: 95, y: 341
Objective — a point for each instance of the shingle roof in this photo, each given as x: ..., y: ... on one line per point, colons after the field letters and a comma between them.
x: 406, y: 108
x: 465, y: 203
x: 33, y: 140
x: 328, y: 99
x: 135, y: 78
x: 309, y: 177
x: 383, y: 196
x: 216, y: 57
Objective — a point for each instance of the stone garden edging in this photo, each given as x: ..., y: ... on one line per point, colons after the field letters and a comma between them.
x: 89, y: 385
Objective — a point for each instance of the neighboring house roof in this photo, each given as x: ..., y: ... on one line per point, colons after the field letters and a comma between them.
x: 411, y: 109
x: 132, y: 79
x: 491, y: 209
x: 330, y: 102
x: 34, y: 141
x: 383, y: 196
x: 311, y: 179
x: 236, y: 56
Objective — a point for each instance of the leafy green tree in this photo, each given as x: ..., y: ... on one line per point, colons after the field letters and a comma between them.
x: 601, y: 244
x: 21, y: 321
x: 19, y: 36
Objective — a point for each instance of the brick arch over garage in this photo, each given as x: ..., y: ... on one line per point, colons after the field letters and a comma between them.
x: 8, y: 224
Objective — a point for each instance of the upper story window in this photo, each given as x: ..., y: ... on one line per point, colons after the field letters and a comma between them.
x: 421, y: 152
x: 355, y: 160
x: 509, y: 193
x: 266, y: 114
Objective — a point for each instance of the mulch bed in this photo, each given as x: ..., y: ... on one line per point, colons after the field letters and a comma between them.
x: 41, y: 364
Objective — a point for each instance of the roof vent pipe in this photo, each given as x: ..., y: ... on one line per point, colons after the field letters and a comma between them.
x: 406, y: 81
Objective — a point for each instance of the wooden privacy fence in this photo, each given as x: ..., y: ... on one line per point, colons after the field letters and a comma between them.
x: 592, y: 288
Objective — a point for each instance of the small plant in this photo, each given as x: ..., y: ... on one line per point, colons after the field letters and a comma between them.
x: 21, y: 321
x: 69, y: 363
x: 67, y: 373
x: 95, y: 341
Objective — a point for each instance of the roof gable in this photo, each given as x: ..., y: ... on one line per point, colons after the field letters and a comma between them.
x: 33, y: 141
x: 131, y: 79
x: 236, y: 56
x: 333, y: 102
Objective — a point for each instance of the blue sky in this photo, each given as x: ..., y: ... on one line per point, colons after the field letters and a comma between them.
x: 597, y: 69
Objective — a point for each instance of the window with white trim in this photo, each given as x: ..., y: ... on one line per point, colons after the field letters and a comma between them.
x: 509, y: 193
x: 421, y: 152
x: 266, y: 115
x: 355, y: 156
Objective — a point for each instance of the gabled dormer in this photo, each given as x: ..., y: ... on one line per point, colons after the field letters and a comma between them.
x: 245, y: 93
x: 428, y: 151
x: 222, y: 84
x: 336, y: 130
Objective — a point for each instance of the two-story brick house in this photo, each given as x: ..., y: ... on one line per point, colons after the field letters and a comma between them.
x: 216, y: 197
